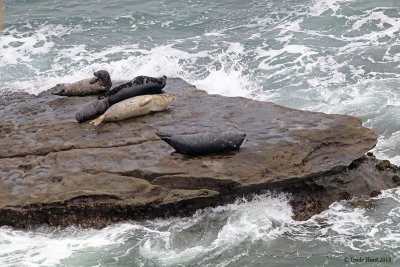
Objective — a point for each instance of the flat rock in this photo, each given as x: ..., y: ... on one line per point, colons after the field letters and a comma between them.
x: 56, y: 171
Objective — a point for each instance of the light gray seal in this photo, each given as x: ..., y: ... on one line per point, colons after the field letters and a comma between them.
x: 99, y: 84
x: 135, y: 106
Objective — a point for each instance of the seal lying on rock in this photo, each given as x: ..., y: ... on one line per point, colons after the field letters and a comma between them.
x: 135, y: 106
x: 204, y: 143
x: 99, y: 84
x: 92, y: 110
x: 140, y: 85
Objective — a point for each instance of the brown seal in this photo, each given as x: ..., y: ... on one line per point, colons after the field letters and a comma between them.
x: 99, y: 84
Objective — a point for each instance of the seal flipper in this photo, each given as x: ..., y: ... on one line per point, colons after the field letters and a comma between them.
x: 145, y: 102
x: 98, y: 121
x: 167, y: 139
x: 163, y: 136
x: 94, y: 80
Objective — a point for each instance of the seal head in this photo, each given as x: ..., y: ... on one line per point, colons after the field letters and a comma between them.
x: 59, y: 89
x: 104, y: 78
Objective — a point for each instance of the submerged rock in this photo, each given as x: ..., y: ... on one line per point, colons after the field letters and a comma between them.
x: 56, y: 171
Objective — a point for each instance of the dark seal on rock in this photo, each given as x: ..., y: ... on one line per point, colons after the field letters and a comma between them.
x: 99, y: 84
x: 91, y: 110
x: 140, y: 85
x: 204, y: 143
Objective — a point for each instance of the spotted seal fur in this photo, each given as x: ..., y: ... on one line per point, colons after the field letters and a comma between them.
x: 140, y: 85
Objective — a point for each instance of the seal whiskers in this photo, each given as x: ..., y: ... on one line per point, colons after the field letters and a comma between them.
x: 133, y: 107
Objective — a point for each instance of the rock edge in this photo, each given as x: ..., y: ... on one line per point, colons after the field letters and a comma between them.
x: 55, y: 171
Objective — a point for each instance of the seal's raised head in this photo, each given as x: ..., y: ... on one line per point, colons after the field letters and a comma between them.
x: 104, y: 77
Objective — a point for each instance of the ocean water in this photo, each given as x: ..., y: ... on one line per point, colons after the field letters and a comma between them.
x: 333, y: 56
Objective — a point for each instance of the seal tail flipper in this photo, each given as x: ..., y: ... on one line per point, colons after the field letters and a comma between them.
x: 98, y: 121
x: 169, y: 97
x: 163, y: 136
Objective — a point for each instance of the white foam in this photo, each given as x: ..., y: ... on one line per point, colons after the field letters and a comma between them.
x: 279, y: 59
x: 388, y: 147
x: 345, y: 227
x: 47, y: 247
x: 19, y: 47
x: 245, y: 221
x: 320, y: 6
x: 223, y: 76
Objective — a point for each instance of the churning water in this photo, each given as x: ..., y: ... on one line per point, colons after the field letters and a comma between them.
x: 333, y: 56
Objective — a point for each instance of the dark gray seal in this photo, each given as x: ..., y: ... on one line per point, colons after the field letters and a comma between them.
x: 99, y: 84
x: 140, y: 85
x: 92, y: 110
x: 204, y: 143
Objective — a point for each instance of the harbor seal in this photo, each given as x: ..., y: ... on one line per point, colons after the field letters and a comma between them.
x: 204, y: 143
x: 133, y: 107
x: 92, y: 110
x: 101, y: 83
x: 140, y: 85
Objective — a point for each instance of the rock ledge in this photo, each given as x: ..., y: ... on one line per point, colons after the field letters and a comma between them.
x: 58, y: 172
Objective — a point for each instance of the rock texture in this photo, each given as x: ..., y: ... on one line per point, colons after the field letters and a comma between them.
x: 56, y: 171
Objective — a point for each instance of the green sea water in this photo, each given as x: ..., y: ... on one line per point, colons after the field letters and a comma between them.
x: 333, y: 56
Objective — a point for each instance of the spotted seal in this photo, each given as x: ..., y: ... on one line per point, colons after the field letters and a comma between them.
x: 140, y: 85
x: 133, y: 107
x: 99, y: 84
x: 204, y: 143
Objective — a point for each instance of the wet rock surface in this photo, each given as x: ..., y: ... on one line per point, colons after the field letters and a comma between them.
x: 56, y: 171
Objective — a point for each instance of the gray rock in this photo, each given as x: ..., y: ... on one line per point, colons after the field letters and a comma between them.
x: 56, y: 171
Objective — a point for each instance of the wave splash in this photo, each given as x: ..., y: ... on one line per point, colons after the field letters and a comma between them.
x: 209, y: 234
x: 233, y: 234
